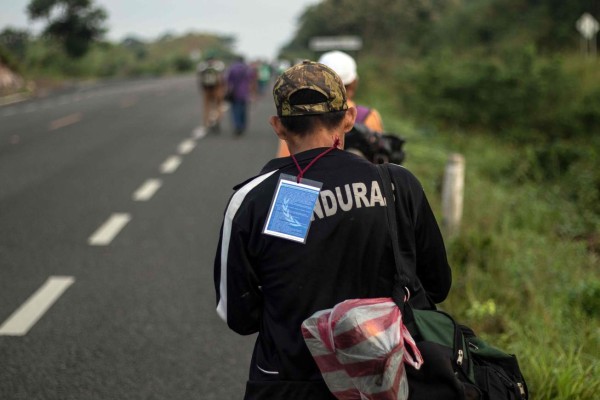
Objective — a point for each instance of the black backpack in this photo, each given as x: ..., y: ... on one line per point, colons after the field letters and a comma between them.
x: 379, y: 148
x: 209, y: 76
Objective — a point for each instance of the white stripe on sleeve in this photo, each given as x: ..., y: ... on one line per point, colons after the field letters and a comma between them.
x: 234, y: 205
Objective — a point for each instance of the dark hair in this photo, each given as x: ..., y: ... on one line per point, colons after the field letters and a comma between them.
x: 303, y: 124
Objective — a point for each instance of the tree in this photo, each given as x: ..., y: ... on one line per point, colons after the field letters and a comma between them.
x: 385, y: 26
x: 136, y: 46
x: 15, y: 40
x: 75, y: 23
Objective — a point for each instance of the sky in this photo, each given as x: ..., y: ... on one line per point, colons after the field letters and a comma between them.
x: 260, y: 26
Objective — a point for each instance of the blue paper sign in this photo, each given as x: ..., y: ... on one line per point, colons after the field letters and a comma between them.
x: 292, y: 208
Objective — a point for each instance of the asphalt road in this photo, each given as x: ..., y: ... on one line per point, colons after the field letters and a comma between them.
x: 110, y: 208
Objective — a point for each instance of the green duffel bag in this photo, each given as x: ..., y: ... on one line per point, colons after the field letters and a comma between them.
x: 497, y: 373
x: 448, y: 370
x: 457, y: 363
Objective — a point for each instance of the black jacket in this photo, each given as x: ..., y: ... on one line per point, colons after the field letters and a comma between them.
x: 271, y: 285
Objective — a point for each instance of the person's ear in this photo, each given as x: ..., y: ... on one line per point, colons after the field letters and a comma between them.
x: 349, y: 118
x: 278, y: 127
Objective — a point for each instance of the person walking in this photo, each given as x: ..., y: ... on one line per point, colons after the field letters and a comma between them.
x: 240, y: 83
x: 211, y: 83
x: 345, y: 66
x: 309, y: 231
x: 264, y: 71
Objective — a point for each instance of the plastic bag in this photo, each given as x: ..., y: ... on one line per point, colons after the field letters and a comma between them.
x: 360, y: 346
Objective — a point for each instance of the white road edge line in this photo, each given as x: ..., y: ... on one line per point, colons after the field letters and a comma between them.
x: 147, y: 190
x: 186, y: 146
x: 170, y: 165
x: 23, y: 319
x: 111, y: 228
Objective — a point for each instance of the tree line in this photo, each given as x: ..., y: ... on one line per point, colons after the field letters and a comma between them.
x: 509, y: 67
x: 72, y: 45
x: 419, y: 27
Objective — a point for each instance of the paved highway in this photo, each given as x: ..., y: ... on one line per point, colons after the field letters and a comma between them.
x: 110, y: 208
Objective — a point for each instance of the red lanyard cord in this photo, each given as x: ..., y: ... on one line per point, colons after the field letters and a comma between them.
x: 302, y: 171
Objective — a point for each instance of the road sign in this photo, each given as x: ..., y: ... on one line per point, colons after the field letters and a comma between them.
x: 588, y: 26
x: 326, y: 43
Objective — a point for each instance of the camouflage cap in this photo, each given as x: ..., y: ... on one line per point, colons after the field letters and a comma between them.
x: 312, y: 76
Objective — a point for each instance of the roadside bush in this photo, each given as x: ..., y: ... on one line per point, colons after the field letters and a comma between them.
x: 183, y: 64
x: 518, y: 95
x: 586, y: 297
x: 589, y: 111
x: 564, y: 173
x: 8, y: 59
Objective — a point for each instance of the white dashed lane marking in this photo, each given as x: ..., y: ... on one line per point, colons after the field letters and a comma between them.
x: 23, y: 319
x: 147, y: 190
x: 186, y: 146
x: 111, y: 228
x: 199, y: 132
x: 170, y: 165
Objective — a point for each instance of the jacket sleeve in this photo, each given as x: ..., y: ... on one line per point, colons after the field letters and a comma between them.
x: 239, y: 302
x: 432, y: 267
x: 421, y: 242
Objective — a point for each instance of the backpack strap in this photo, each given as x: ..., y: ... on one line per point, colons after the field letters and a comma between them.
x: 400, y: 294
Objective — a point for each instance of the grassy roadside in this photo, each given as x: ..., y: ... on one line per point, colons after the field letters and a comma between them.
x: 526, y: 277
x: 517, y: 281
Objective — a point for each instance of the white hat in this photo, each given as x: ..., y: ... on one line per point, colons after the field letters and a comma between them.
x: 342, y: 64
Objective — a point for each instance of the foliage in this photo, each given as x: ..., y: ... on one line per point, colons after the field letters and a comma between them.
x: 502, y: 66
x: 516, y: 92
x: 75, y: 23
x: 586, y: 297
x: 519, y: 278
x: 413, y: 27
x: 45, y: 58
x: 406, y: 19
x: 491, y: 24
x: 15, y: 41
x: 8, y: 59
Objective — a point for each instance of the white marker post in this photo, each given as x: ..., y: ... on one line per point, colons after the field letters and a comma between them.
x: 588, y: 26
x: 452, y: 194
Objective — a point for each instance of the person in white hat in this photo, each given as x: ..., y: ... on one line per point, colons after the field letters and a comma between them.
x: 345, y: 66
